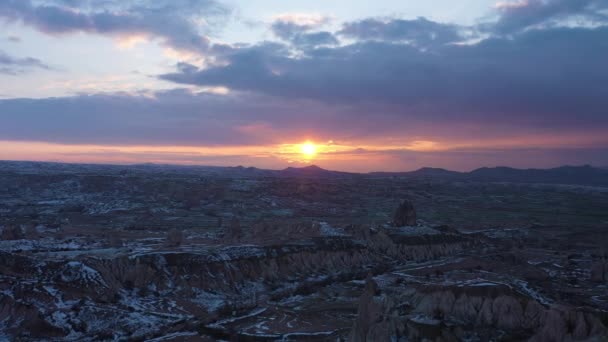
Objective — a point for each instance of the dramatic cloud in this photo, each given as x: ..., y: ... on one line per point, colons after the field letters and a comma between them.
x: 177, y: 24
x: 300, y: 30
x: 523, y: 14
x: 176, y: 117
x: 525, y: 78
x: 287, y: 25
x: 420, y: 32
x: 532, y: 80
x: 12, y: 65
x: 180, y: 117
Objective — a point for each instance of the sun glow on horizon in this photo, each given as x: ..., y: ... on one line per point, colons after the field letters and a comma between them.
x: 308, y: 149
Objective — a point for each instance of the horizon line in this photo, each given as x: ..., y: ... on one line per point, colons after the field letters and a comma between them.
x: 292, y: 167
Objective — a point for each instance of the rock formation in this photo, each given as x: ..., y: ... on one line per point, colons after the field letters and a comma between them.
x: 405, y: 215
x: 369, y: 312
x: 490, y: 308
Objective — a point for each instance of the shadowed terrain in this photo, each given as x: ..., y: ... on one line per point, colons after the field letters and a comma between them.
x: 168, y: 253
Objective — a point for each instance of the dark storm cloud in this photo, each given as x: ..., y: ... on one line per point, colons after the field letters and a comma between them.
x: 170, y: 21
x: 13, y: 65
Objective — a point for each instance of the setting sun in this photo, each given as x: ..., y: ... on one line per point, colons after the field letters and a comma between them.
x: 308, y: 149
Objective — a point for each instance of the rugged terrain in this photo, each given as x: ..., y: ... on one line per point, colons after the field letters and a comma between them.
x: 95, y: 252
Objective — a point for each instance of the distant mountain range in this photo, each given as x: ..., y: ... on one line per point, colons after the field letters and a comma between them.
x: 312, y: 171
x: 576, y: 175
x: 573, y: 175
x: 579, y: 175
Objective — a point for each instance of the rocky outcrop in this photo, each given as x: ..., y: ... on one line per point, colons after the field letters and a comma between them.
x: 368, y: 312
x: 237, y: 277
x: 228, y: 268
x: 405, y: 215
x: 18, y: 317
x: 443, y: 313
x: 567, y: 324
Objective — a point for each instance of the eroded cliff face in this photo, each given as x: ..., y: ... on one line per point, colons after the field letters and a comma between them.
x: 449, y: 313
x: 226, y: 268
x: 243, y: 291
x: 199, y: 285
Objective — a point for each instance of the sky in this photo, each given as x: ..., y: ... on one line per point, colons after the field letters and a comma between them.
x: 383, y: 85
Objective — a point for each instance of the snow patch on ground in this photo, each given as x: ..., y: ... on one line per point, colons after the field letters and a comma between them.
x: 38, y: 245
x: 414, y: 230
x: 524, y: 287
x: 327, y: 230
x: 76, y: 271
x: 108, y: 207
x: 211, y: 301
x: 422, y: 319
x: 253, y: 313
